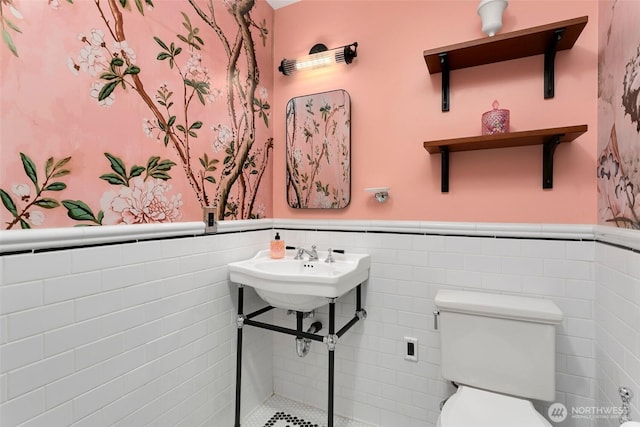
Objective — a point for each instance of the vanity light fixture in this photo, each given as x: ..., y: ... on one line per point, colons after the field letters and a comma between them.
x: 319, y: 56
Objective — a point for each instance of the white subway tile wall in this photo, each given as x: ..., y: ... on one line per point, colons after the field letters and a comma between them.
x: 128, y: 334
x: 617, y: 332
x: 144, y: 333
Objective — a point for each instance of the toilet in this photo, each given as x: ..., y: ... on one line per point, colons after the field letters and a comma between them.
x: 500, y: 351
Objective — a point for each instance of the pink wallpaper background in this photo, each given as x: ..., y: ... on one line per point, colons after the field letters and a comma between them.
x: 133, y: 111
x: 619, y: 114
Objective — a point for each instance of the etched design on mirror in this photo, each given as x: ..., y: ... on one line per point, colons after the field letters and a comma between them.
x: 318, y: 150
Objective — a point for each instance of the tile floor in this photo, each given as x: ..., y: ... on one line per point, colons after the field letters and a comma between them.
x: 278, y: 411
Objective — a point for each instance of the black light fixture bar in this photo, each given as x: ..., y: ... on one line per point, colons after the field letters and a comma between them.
x: 319, y: 56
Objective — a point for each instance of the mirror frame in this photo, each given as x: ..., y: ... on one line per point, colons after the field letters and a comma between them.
x: 318, y: 150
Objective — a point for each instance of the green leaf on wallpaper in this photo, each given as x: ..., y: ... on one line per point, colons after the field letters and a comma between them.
x: 29, y: 168
x: 161, y: 43
x: 132, y: 69
x: 13, y: 26
x: 107, y: 90
x: 171, y: 121
x: 158, y: 169
x: 148, y: 3
x: 117, y: 165
x: 165, y: 165
x: 56, y: 186
x: 109, y: 76
x: 80, y: 211
x: 162, y: 56
x: 117, y: 62
x: 48, y: 165
x: 139, y: 7
x: 114, y: 179
x: 9, y: 42
x: 136, y: 171
x: 181, y: 128
x: 152, y: 162
x: 47, y: 203
x: 7, y: 201
x: 196, y: 125
x: 62, y: 162
x: 125, y: 4
x: 63, y: 172
x: 160, y: 175
x: 166, y: 139
x: 211, y: 179
x: 24, y: 224
x: 193, y: 134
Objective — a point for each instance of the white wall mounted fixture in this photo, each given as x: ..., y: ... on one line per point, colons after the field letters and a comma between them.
x: 490, y: 12
x: 380, y: 193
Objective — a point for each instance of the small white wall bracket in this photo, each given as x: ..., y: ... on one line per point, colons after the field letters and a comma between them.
x: 380, y: 193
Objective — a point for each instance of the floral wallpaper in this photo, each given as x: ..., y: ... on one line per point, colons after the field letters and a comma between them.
x: 134, y: 111
x: 618, y: 170
x: 318, y: 150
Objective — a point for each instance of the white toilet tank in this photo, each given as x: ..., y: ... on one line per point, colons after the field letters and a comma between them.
x: 497, y: 342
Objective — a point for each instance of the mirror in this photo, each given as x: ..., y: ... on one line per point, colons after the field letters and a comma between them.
x: 319, y: 150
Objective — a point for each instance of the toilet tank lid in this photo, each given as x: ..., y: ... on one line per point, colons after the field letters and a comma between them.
x: 498, y: 305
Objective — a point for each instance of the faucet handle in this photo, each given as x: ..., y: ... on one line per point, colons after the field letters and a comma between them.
x: 330, y: 256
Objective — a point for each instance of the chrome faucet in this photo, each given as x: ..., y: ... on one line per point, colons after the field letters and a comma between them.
x: 313, y: 254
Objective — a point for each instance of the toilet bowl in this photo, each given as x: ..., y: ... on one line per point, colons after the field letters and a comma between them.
x: 479, y: 408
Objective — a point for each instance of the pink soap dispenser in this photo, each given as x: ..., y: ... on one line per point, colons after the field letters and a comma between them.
x: 277, y: 247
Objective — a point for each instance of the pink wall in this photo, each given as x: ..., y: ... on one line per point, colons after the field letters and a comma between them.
x: 396, y: 107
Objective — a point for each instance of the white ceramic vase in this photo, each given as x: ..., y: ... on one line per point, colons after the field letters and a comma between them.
x: 490, y: 12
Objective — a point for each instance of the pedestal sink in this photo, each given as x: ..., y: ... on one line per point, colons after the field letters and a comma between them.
x: 301, y: 285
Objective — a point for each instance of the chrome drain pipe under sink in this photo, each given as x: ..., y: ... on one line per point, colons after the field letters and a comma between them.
x: 304, y: 344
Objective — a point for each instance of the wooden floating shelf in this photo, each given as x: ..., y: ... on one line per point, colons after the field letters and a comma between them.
x: 544, y: 39
x: 548, y: 138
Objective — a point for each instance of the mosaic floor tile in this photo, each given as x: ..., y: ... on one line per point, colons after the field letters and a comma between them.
x: 280, y: 412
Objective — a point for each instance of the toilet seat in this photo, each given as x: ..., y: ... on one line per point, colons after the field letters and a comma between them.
x: 478, y: 408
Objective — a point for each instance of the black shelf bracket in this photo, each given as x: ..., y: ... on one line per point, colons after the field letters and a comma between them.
x: 548, y: 150
x: 444, y: 64
x: 444, y: 169
x: 549, y: 63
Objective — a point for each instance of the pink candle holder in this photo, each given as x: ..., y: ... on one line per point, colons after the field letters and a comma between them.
x: 495, y: 121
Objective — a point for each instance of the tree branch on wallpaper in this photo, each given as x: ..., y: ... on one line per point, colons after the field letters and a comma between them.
x: 26, y: 215
x: 228, y: 173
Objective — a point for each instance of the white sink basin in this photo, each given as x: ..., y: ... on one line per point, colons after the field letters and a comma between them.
x: 301, y: 285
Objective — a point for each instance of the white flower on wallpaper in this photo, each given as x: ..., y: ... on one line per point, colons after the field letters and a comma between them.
x: 141, y: 202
